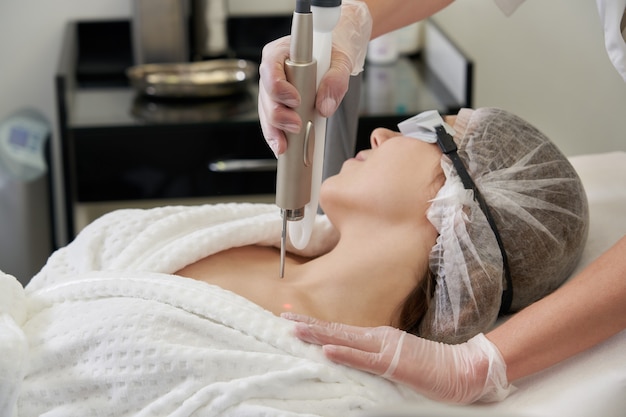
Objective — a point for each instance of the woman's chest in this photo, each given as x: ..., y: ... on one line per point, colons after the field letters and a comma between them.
x: 251, y: 272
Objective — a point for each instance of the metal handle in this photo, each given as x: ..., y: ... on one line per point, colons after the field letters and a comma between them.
x: 243, y: 165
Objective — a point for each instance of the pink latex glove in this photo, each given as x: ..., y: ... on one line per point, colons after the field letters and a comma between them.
x: 464, y: 373
x: 278, y: 98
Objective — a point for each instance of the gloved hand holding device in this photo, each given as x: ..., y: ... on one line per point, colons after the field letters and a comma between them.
x: 277, y: 97
x: 463, y: 373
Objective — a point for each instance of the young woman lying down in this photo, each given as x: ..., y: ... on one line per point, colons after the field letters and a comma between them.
x: 176, y: 310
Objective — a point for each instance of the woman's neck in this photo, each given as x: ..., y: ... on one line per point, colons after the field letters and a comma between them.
x: 365, y: 279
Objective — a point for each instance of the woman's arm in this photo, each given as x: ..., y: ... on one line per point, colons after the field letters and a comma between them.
x: 388, y: 15
x: 585, y: 311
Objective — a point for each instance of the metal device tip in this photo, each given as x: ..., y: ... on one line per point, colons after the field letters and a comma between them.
x: 283, y: 244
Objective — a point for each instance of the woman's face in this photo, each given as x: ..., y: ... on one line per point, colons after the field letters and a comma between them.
x: 396, y: 178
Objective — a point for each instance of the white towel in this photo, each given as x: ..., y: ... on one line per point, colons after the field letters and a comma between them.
x: 112, y: 333
x: 13, y: 347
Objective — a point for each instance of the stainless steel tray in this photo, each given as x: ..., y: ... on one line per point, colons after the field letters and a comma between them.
x: 212, y: 78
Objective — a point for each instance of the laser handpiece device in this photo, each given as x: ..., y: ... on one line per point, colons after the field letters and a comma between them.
x: 325, y: 15
x: 295, y: 165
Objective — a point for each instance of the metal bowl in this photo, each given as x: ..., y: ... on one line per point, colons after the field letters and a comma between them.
x: 212, y: 78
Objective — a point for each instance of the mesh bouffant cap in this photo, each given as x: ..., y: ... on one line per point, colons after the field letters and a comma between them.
x: 540, y: 210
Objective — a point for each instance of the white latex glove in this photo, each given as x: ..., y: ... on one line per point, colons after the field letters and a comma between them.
x: 277, y: 97
x: 464, y: 373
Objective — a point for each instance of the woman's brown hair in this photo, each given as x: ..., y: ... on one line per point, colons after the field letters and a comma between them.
x: 416, y: 304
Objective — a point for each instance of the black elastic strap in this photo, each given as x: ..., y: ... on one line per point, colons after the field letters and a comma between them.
x: 448, y: 147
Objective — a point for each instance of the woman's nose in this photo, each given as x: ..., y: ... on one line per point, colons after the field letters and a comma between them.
x: 381, y: 135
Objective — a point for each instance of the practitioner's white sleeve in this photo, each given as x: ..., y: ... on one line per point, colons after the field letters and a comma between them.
x: 613, y: 16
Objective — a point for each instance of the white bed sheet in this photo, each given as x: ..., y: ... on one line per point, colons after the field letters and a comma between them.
x: 594, y: 382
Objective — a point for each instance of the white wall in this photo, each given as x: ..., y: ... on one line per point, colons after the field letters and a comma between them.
x: 546, y: 63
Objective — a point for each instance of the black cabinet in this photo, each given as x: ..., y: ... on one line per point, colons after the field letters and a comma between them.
x: 163, y: 162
